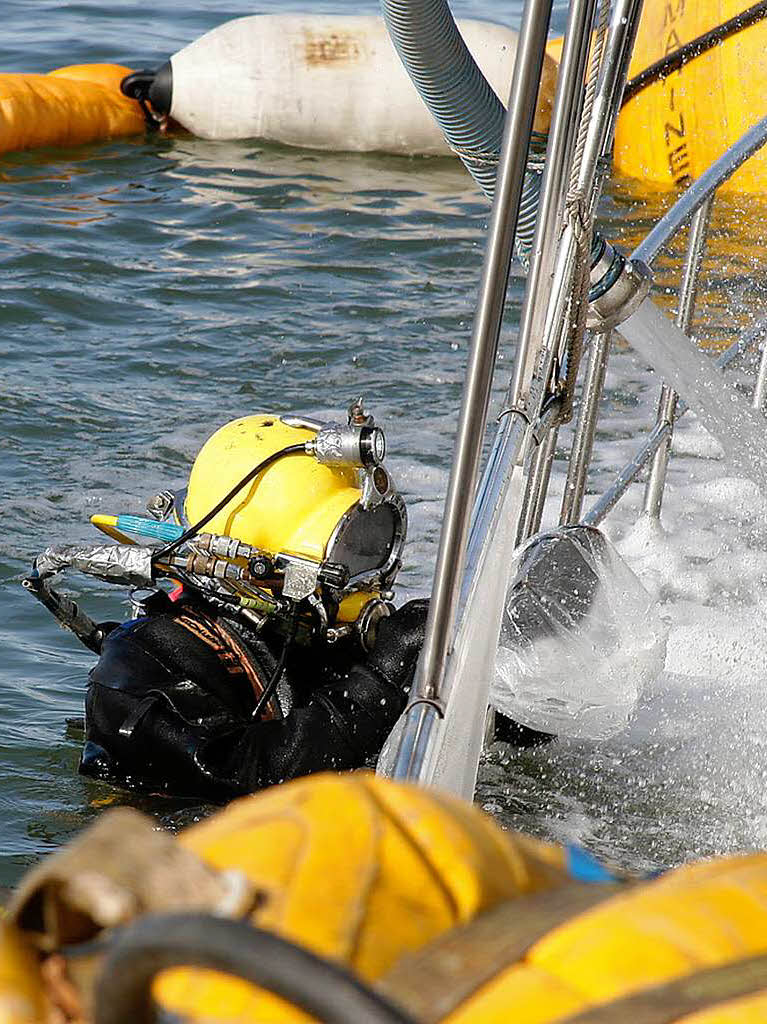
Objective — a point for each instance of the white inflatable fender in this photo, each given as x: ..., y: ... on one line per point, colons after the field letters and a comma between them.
x: 324, y: 81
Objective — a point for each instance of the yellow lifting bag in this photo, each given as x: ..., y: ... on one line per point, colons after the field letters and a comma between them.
x: 690, y: 946
x: 671, y: 131
x: 21, y: 988
x: 356, y: 869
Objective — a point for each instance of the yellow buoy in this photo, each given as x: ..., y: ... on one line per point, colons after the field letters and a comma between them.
x: 672, y: 130
x: 690, y: 946
x: 421, y: 895
x: 67, y: 107
x: 21, y: 987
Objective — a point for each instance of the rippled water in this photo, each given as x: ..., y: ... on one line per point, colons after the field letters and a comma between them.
x: 151, y: 289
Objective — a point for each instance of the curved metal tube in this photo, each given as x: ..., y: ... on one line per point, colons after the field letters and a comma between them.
x: 459, y: 97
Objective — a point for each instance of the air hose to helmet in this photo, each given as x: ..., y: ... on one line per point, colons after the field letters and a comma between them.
x: 168, y: 549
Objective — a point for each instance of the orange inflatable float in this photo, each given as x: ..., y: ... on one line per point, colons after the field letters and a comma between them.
x: 66, y: 107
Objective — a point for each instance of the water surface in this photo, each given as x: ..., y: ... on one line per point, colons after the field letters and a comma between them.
x: 153, y: 288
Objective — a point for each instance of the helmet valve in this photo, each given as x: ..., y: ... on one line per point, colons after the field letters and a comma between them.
x: 356, y: 415
x: 160, y: 505
x: 341, y: 444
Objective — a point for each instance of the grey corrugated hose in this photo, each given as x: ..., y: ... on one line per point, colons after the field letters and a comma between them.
x: 459, y: 97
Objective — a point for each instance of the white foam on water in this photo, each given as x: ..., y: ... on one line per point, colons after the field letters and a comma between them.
x: 707, y: 711
x: 711, y: 580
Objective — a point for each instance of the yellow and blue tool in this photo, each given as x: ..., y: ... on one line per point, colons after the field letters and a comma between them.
x: 125, y: 528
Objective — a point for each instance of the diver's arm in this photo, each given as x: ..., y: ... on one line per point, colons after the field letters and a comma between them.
x: 343, y: 725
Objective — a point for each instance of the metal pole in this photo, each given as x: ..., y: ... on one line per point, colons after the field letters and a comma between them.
x: 583, y: 441
x: 539, y: 471
x: 510, y: 437
x: 696, y: 247
x: 624, y: 22
x: 627, y: 476
x: 526, y: 512
x: 742, y: 343
x: 564, y: 126
x: 491, y: 506
x: 479, y: 372
x: 656, y: 478
x: 543, y: 475
x: 614, y: 70
x: 613, y: 73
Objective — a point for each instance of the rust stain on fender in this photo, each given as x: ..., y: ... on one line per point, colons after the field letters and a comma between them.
x: 333, y: 49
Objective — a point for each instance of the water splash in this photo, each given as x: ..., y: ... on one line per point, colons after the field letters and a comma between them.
x: 723, y: 411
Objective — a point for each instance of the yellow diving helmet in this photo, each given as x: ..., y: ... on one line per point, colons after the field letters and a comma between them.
x: 322, y: 515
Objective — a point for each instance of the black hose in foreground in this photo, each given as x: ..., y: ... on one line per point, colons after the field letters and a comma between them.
x: 158, y: 942
x: 695, y: 48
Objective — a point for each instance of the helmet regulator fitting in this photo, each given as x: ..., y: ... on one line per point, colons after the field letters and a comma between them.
x: 341, y: 444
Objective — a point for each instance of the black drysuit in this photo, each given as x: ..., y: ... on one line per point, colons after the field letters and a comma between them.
x: 169, y: 705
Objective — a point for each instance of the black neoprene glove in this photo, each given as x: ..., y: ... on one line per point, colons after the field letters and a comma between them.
x: 399, y: 640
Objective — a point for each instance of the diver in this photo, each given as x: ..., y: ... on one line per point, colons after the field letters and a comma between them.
x: 268, y: 646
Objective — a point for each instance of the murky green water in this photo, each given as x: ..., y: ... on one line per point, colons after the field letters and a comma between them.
x: 154, y: 288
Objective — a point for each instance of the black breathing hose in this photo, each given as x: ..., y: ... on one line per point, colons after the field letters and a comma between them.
x: 695, y: 48
x: 317, y: 986
x: 271, y: 686
x: 168, y: 549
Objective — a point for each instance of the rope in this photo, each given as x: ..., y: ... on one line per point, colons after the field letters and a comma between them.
x: 476, y: 156
x: 597, y: 51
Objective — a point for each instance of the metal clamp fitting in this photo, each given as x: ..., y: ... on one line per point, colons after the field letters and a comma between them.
x: 618, y: 287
